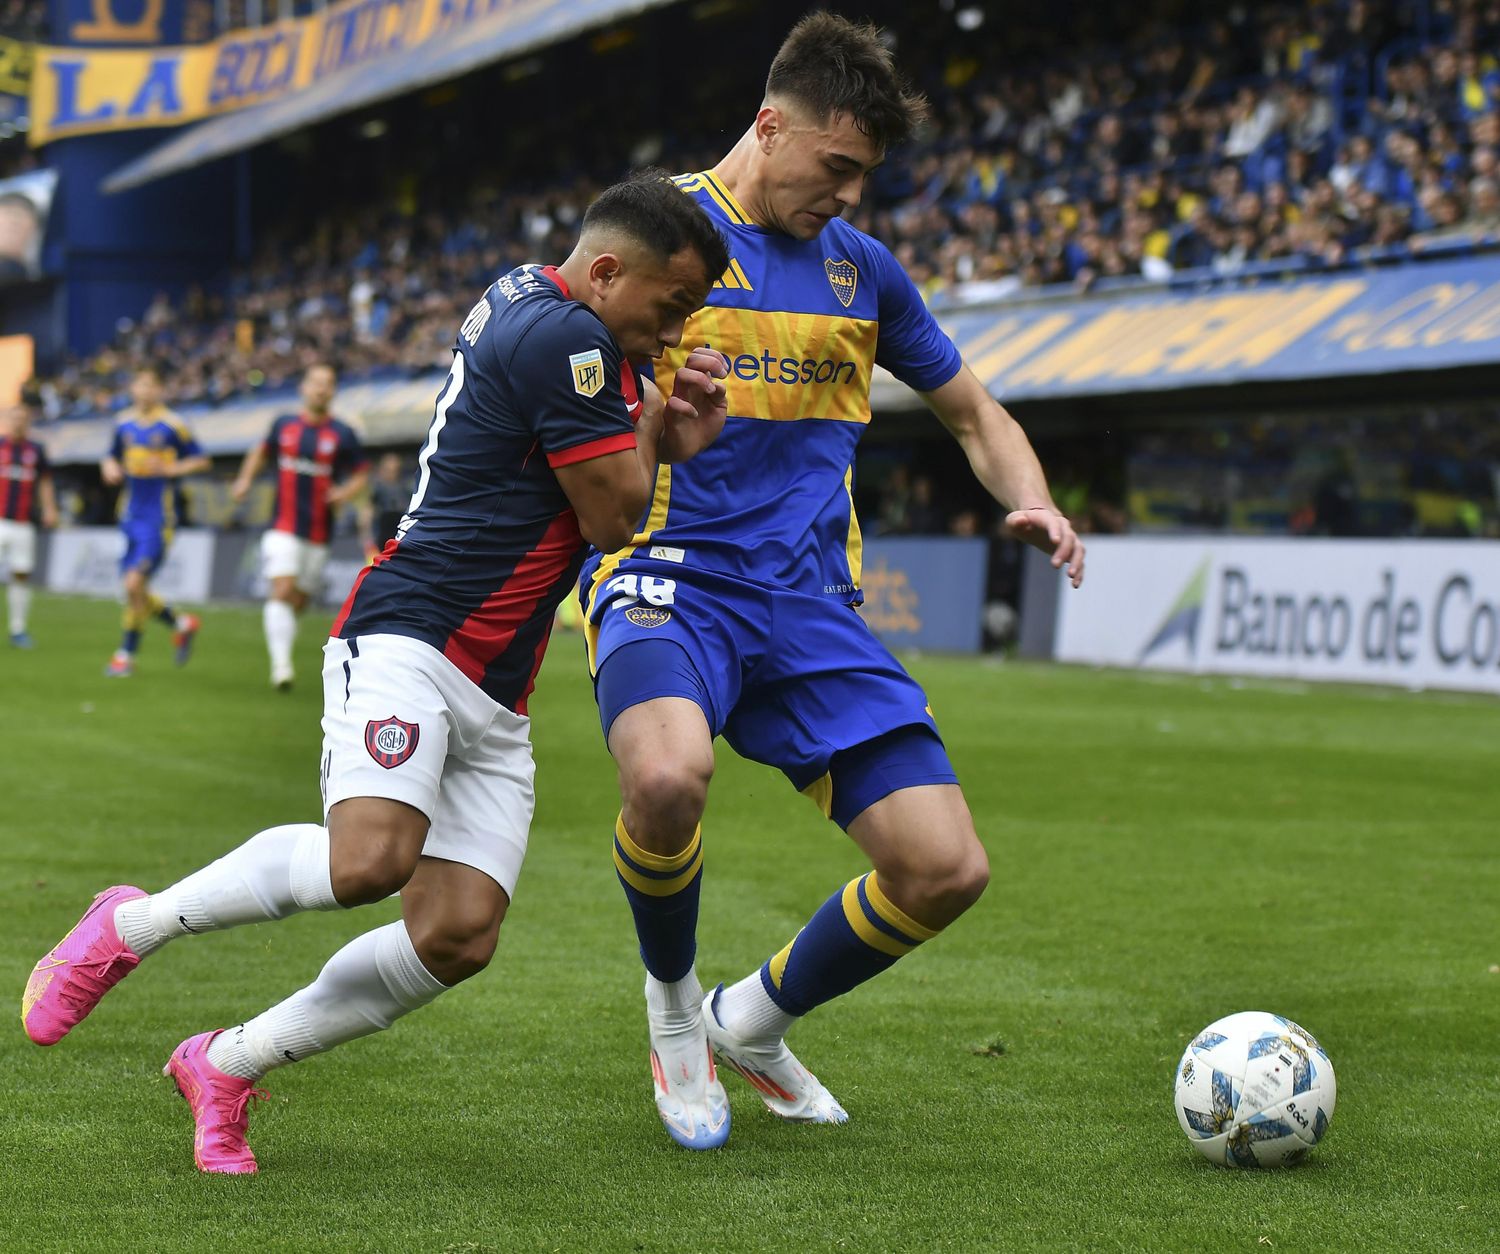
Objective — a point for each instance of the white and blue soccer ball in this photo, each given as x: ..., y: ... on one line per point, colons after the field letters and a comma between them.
x: 1254, y: 1090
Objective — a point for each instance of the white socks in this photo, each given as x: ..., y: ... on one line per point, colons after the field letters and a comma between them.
x: 276, y: 873
x: 280, y: 622
x: 18, y: 595
x: 365, y: 987
x: 680, y: 998
x: 748, y: 1012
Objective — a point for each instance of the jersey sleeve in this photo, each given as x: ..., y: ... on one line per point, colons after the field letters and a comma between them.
x: 911, y: 345
x: 184, y: 441
x: 566, y: 376
x: 117, y: 442
x: 271, y: 444
x: 43, y: 462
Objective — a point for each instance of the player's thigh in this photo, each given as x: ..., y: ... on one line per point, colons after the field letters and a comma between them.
x: 386, y: 723
x: 17, y: 547
x: 280, y: 553
x: 312, y: 560
x: 488, y: 794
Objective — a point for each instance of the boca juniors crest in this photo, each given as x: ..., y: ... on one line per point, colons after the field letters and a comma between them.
x: 843, y: 277
x: 391, y: 741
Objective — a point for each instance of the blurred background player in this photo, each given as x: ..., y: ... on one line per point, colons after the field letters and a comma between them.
x: 151, y: 450
x: 548, y: 441
x: 320, y: 466
x: 390, y: 490
x: 26, y: 491
x: 733, y: 611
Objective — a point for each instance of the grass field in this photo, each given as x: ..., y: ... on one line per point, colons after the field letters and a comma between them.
x: 1164, y: 851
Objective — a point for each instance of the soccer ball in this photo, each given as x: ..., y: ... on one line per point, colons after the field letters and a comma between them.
x: 1254, y: 1090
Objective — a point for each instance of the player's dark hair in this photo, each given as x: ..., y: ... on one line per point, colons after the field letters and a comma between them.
x: 651, y: 209
x: 155, y: 369
x: 830, y: 65
x: 322, y: 363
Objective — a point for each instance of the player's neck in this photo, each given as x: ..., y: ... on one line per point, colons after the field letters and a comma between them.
x: 737, y: 172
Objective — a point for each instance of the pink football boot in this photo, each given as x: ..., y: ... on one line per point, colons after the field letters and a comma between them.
x: 220, y: 1104
x: 83, y: 966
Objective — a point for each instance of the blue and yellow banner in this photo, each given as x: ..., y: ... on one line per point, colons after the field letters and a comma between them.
x: 83, y: 91
x: 1430, y: 316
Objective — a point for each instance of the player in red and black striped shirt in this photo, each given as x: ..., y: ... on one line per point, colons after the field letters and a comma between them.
x: 320, y: 465
x: 25, y: 490
x: 427, y: 768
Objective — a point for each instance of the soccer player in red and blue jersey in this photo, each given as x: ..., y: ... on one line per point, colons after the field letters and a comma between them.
x: 543, y: 438
x: 734, y: 610
x: 25, y: 491
x: 320, y: 466
x: 152, y: 449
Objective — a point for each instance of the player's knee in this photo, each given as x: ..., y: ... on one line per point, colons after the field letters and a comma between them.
x: 666, y: 795
x: 370, y: 866
x: 457, y: 945
x: 942, y: 886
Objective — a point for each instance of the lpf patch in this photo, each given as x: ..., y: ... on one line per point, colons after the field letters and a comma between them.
x: 391, y: 741
x: 645, y: 616
x: 843, y: 277
x: 588, y: 372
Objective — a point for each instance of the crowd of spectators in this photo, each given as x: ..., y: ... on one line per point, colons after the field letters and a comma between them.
x: 1306, y: 133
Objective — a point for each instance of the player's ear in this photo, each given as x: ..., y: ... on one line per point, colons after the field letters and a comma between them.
x: 769, y: 123
x: 603, y: 271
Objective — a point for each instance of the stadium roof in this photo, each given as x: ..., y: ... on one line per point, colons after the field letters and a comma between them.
x: 510, y: 30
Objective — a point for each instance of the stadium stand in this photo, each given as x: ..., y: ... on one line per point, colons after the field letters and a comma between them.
x: 1202, y: 145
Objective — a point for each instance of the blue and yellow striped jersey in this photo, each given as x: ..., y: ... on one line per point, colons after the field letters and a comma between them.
x: 147, y: 446
x: 803, y: 324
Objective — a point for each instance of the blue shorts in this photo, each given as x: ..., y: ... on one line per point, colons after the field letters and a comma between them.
x: 797, y: 682
x: 145, y: 547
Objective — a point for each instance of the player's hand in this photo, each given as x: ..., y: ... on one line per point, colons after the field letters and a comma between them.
x: 695, y: 413
x: 50, y: 520
x: 111, y: 473
x: 1049, y: 531
x: 239, y: 490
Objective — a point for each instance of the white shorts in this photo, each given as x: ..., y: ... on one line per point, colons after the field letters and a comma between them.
x: 17, y: 546
x: 283, y: 554
x: 401, y: 721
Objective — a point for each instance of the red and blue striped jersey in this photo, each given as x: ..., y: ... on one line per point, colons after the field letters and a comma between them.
x: 23, y: 464
x: 490, y: 545
x: 310, y: 457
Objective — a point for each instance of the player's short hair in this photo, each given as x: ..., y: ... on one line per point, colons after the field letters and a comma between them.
x: 652, y: 211
x: 321, y: 364
x: 153, y: 368
x: 830, y: 65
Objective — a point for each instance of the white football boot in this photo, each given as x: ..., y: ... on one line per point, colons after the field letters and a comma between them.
x: 788, y: 1089
x: 689, y: 1096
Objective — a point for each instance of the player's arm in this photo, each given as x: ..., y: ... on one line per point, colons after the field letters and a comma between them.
x: 191, y: 459
x: 1004, y: 461
x: 254, y: 463
x: 609, y: 493
x: 350, y: 488
x: 110, y: 469
x: 47, y: 493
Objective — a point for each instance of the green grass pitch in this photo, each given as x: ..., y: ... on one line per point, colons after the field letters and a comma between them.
x: 1164, y: 851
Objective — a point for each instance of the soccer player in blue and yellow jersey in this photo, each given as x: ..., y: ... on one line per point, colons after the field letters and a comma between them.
x: 151, y: 450
x: 734, y: 609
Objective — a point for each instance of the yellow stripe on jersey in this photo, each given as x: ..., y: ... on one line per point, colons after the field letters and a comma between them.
x: 820, y: 793
x: 655, y: 520
x: 829, y: 376
x: 855, y: 546
x: 724, y: 198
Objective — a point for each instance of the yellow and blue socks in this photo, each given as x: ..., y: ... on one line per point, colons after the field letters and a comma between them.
x: 856, y: 934
x: 663, y: 894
